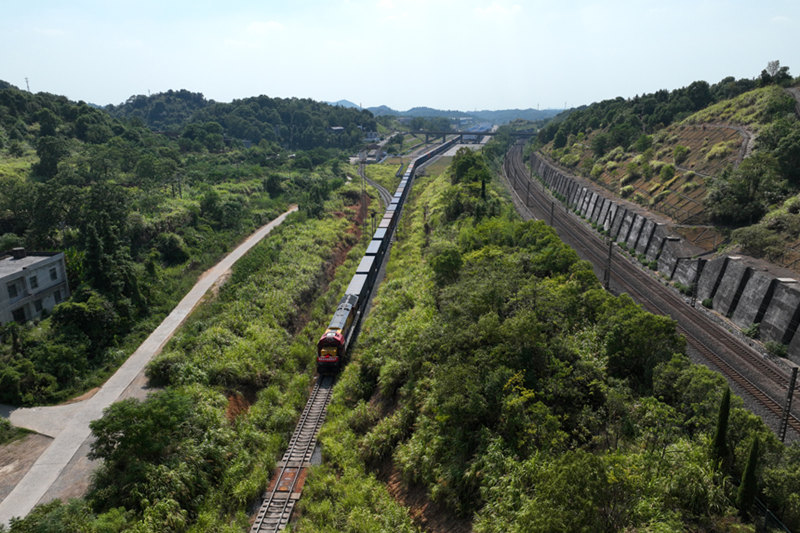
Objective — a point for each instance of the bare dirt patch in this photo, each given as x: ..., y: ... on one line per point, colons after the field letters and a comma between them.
x: 17, y: 457
x: 237, y: 405
x: 706, y: 237
x: 214, y: 291
x: 427, y: 515
x: 85, y: 396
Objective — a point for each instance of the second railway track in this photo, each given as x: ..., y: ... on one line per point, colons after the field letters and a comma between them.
x: 753, y: 374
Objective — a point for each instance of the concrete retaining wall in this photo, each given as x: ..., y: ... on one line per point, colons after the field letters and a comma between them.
x: 756, y: 293
x: 783, y: 314
x: 738, y: 290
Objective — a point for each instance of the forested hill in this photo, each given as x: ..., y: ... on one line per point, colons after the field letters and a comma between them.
x: 724, y: 154
x: 295, y: 123
x: 139, y: 215
x: 501, y: 116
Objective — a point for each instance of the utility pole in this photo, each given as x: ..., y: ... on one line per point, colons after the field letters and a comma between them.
x: 363, y: 189
x: 528, y: 194
x: 27, y: 84
x: 607, y: 273
x: 698, y: 270
x: 787, y: 408
x: 531, y: 165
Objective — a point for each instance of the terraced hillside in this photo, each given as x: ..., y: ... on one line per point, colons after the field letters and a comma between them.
x: 670, y: 170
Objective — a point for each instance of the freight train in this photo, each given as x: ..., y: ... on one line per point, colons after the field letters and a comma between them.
x: 332, y: 346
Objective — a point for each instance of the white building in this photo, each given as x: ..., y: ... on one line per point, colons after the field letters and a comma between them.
x: 31, y: 283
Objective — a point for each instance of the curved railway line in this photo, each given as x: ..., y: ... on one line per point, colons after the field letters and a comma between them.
x: 290, y: 473
x: 758, y: 377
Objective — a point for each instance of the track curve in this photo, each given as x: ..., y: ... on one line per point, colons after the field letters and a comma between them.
x: 758, y: 377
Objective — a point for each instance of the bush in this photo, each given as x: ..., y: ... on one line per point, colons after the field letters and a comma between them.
x: 172, y: 248
x: 708, y: 303
x: 10, y: 240
x: 759, y: 241
x: 680, y: 153
x: 751, y: 331
x: 667, y: 172
x: 6, y: 431
x: 682, y: 288
x: 659, y: 197
x: 570, y: 160
x: 777, y: 348
x: 626, y: 191
x: 446, y: 265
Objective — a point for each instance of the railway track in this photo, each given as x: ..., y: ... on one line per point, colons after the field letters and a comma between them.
x: 383, y: 192
x: 288, y: 478
x: 759, y: 378
x: 290, y: 473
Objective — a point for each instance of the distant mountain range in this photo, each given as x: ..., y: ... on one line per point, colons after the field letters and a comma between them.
x: 502, y: 116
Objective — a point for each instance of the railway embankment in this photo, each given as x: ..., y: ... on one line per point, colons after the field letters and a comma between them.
x: 744, y: 290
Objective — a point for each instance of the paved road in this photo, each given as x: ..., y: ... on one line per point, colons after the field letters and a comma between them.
x: 69, y: 424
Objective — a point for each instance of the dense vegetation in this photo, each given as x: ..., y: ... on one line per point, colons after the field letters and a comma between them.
x: 497, y: 377
x: 197, y: 453
x: 291, y: 122
x: 139, y: 215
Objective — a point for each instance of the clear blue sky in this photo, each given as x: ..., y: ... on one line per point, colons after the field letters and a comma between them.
x: 459, y: 54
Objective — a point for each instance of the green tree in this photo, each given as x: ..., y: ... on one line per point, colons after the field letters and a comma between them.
x: 743, y: 195
x: 48, y: 122
x: 173, y: 451
x: 601, y: 143
x: 88, y: 315
x: 637, y: 341
x: 719, y: 446
x: 446, y: 264
x: 50, y: 150
x: 746, y: 495
x: 643, y: 143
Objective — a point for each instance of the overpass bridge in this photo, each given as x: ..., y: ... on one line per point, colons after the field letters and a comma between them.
x: 434, y: 134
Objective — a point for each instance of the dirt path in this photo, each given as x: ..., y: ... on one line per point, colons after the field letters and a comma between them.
x: 62, y: 470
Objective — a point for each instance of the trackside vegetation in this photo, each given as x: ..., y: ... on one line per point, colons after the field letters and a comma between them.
x: 140, y: 215
x: 497, y: 378
x: 198, y: 452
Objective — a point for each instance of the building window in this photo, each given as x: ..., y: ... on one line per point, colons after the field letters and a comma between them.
x: 37, y: 304
x: 57, y: 296
x: 12, y: 290
x: 53, y: 274
x: 34, y: 282
x: 18, y: 314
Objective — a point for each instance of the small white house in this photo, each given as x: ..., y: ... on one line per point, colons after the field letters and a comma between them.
x: 31, y: 283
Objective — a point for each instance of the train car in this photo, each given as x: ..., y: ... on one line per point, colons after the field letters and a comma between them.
x: 332, y: 346
x: 375, y: 248
x: 369, y: 267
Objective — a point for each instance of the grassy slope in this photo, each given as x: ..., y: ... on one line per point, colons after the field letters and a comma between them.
x: 711, y: 148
